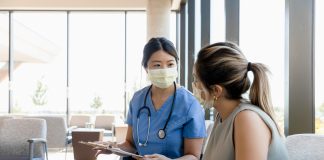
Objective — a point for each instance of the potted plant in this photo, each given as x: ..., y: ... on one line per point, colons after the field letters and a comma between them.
x: 96, y: 103
x: 39, y: 97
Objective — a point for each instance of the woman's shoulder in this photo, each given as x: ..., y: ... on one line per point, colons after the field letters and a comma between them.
x: 141, y: 92
x: 185, y: 94
x: 185, y: 97
x: 250, y: 112
x: 245, y: 105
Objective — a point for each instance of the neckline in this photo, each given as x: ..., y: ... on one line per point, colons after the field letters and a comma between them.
x: 164, y: 105
x: 221, y: 121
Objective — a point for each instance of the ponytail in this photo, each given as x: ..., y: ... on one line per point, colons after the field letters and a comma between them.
x: 224, y: 64
x: 260, y: 90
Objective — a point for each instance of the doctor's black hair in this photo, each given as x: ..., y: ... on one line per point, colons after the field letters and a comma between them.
x: 155, y: 44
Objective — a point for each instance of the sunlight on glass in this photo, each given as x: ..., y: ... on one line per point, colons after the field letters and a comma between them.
x: 262, y: 40
x: 319, y: 66
x: 97, y: 62
x: 173, y: 28
x: 197, y: 27
x: 4, y: 52
x: 136, y: 39
x: 217, y: 21
x: 39, y: 68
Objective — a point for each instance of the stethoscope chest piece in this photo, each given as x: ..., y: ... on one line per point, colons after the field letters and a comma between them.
x: 161, y: 134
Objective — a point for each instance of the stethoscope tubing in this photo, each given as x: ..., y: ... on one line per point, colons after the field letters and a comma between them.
x: 161, y: 136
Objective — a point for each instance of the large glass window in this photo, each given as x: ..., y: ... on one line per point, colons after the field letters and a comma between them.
x: 262, y: 40
x: 39, y: 67
x: 173, y: 28
x: 319, y: 67
x: 197, y: 27
x: 4, y: 52
x: 217, y: 21
x: 97, y: 62
x: 135, y: 40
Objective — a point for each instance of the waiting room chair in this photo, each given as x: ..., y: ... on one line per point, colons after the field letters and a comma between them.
x: 3, y: 117
x: 105, y: 121
x: 23, y: 139
x: 79, y: 121
x: 58, y: 135
x: 305, y: 147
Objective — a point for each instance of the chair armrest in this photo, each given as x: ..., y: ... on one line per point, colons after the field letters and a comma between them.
x: 37, y: 140
x: 72, y: 128
x: 32, y: 141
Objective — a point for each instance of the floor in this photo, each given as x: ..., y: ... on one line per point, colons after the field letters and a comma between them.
x: 60, y: 155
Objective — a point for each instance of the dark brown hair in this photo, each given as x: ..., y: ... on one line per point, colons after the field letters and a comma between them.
x: 224, y: 64
x: 156, y: 44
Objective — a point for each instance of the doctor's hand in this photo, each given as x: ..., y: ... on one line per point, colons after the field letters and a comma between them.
x: 103, y: 150
x: 155, y: 157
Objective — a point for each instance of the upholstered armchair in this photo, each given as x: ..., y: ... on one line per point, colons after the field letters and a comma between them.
x: 58, y: 135
x: 3, y: 117
x: 79, y: 121
x: 305, y: 146
x: 105, y: 121
x: 23, y: 139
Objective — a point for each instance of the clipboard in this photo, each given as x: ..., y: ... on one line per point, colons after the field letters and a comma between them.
x: 112, y: 149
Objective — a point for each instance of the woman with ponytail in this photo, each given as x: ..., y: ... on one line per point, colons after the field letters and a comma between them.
x: 244, y: 129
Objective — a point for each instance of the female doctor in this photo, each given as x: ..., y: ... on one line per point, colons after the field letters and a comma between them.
x: 165, y: 121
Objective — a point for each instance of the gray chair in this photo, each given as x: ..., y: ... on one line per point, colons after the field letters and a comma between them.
x: 305, y: 147
x: 58, y: 135
x: 3, y: 117
x: 105, y: 121
x: 23, y: 139
x: 79, y: 121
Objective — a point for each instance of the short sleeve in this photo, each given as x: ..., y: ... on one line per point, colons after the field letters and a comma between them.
x: 130, y: 115
x: 195, y: 125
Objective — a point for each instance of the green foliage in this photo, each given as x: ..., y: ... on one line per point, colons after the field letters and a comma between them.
x: 321, y: 108
x: 16, y: 108
x: 39, y: 97
x: 96, y: 102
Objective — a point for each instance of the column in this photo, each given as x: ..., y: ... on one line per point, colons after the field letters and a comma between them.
x: 158, y: 18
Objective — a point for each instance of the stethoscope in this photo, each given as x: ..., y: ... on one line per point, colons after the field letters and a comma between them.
x: 161, y: 132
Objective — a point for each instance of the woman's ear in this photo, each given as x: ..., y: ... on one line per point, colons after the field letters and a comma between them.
x: 218, y: 90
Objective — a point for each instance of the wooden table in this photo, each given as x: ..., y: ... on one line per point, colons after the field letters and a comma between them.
x: 81, y: 151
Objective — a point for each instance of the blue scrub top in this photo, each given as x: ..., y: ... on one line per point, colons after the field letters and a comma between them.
x: 187, y: 121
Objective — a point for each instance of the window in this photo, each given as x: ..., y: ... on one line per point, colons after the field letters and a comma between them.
x: 173, y: 28
x: 97, y: 62
x: 217, y: 21
x: 319, y: 66
x: 39, y: 67
x: 197, y: 27
x: 262, y: 39
x: 4, y: 61
x: 135, y: 40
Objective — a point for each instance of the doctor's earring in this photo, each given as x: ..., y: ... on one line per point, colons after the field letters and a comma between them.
x: 215, y: 98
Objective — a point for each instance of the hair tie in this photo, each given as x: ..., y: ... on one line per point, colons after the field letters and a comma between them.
x: 249, y: 66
